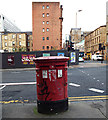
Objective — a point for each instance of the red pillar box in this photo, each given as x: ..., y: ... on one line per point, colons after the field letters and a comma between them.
x: 51, y: 75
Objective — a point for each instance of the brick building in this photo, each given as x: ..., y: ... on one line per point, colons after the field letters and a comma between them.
x: 93, y: 39
x: 47, y: 25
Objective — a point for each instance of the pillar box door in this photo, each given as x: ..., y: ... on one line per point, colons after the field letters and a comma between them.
x: 51, y: 75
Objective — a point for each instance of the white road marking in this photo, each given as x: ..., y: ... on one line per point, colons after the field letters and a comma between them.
x: 81, y: 66
x: 2, y: 87
x: 15, y: 72
x: 23, y: 83
x: 96, y: 90
x: 73, y: 84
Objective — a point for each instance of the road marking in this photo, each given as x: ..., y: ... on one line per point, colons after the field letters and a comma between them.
x: 2, y: 87
x: 86, y: 98
x: 89, y: 99
x: 15, y: 72
x: 90, y: 96
x: 73, y: 84
x: 23, y: 83
x: 70, y: 99
x: 81, y: 66
x: 96, y: 90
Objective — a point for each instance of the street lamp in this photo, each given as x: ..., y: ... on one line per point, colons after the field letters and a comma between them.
x: 76, y: 16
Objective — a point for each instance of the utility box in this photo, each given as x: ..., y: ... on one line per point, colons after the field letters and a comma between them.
x: 51, y: 75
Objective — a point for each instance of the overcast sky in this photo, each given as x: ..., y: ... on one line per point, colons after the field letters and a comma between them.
x: 92, y: 16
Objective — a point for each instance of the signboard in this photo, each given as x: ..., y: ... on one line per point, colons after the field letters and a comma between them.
x: 11, y: 60
x: 31, y: 62
x: 46, y: 54
x: 28, y: 59
x: 72, y: 57
x: 60, y: 54
x: 25, y: 59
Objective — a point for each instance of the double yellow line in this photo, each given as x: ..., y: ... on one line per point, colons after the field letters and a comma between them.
x: 87, y: 98
x: 71, y: 99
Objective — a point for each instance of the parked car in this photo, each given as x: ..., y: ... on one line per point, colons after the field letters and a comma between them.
x: 81, y: 59
x: 97, y: 57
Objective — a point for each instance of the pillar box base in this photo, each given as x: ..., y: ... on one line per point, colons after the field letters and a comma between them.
x: 51, y: 107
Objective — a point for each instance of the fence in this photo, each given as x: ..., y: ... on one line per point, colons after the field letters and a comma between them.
x: 25, y: 59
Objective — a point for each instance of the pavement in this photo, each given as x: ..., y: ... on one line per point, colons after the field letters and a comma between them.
x: 77, y: 109
x: 83, y: 109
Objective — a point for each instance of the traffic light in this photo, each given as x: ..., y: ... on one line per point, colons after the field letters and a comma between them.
x: 103, y: 48
x: 68, y: 47
x: 71, y: 46
x: 100, y: 46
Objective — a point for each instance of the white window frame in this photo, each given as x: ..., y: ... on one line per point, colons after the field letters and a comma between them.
x: 19, y: 36
x: 47, y: 6
x: 43, y: 15
x: 47, y: 14
x: 43, y: 29
x: 47, y: 29
x: 13, y: 36
x: 47, y: 22
x: 13, y: 42
x: 19, y: 43
x: 43, y: 22
x: 43, y: 7
x: 5, y: 37
x: 5, y: 44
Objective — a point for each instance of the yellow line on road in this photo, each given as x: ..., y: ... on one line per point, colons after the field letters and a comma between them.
x: 88, y: 97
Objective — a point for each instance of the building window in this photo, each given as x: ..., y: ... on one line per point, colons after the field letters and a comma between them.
x: 5, y: 37
x: 13, y: 36
x: 47, y: 22
x: 47, y: 47
x: 19, y: 43
x: 43, y: 15
x: 43, y: 38
x: 13, y: 49
x: 5, y: 44
x: 107, y: 38
x: 43, y: 47
x: 19, y: 36
x: 43, y: 7
x: 28, y: 44
x: 47, y: 38
x: 51, y: 47
x: 13, y: 43
x: 43, y: 22
x: 47, y: 7
x: 47, y: 14
x: 43, y: 30
x: 47, y: 29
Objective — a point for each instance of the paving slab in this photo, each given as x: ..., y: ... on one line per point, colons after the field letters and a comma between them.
x: 85, y: 109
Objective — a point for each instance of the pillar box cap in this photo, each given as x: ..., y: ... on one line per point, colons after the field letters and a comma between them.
x: 48, y: 58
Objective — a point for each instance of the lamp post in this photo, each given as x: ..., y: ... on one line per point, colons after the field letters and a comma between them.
x: 76, y: 16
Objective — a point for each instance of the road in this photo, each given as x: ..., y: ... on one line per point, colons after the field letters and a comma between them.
x: 82, y: 81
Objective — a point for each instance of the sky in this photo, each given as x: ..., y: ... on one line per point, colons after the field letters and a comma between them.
x: 92, y: 16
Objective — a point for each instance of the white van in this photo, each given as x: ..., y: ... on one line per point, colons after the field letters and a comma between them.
x: 97, y: 57
x: 1, y: 51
